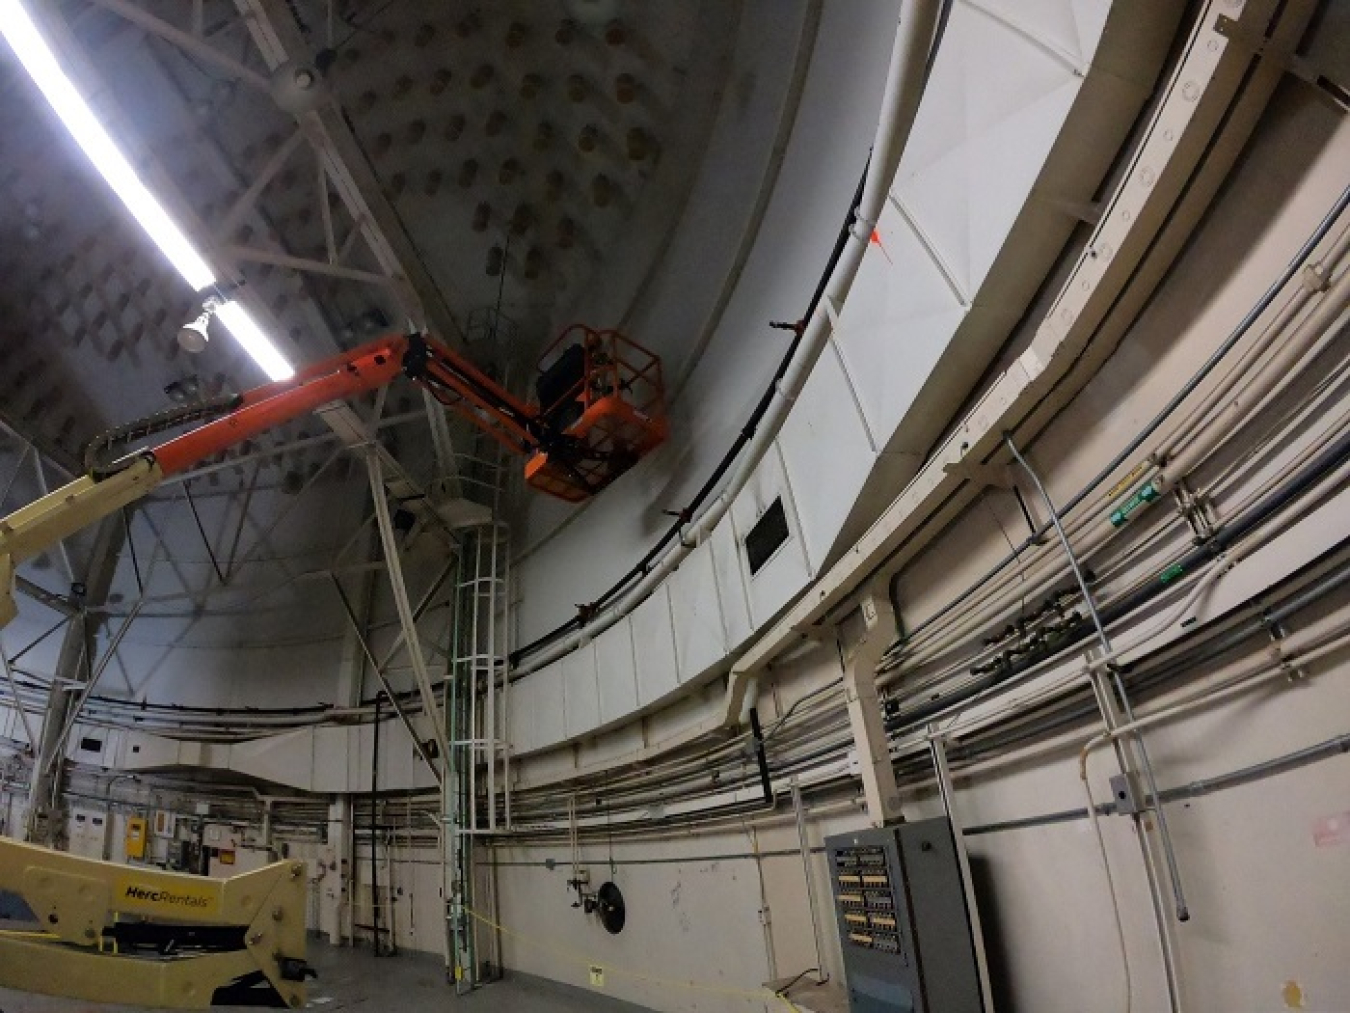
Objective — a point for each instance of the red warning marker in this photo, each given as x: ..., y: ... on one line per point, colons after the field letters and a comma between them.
x: 876, y: 241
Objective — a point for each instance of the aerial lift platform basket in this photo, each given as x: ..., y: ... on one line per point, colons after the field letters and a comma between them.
x: 600, y: 407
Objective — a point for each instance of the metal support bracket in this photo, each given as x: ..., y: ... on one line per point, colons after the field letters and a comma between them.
x: 981, y: 475
x: 1128, y: 794
x: 862, y: 640
x: 1195, y: 511
x: 1286, y: 59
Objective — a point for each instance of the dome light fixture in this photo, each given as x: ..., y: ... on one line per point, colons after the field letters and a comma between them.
x: 194, y: 336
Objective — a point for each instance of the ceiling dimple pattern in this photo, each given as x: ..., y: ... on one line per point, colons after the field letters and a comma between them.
x: 85, y: 294
x: 509, y: 137
x: 512, y: 151
x: 513, y: 142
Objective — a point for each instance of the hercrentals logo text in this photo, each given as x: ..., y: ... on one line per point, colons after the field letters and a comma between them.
x: 153, y: 896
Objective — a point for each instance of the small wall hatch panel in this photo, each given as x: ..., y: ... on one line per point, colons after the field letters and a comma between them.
x: 903, y: 922
x: 769, y: 532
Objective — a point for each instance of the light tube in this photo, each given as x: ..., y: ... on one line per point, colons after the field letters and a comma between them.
x: 37, y: 58
x: 247, y: 332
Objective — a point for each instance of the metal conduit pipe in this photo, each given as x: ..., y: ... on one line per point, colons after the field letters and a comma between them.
x: 1324, y: 318
x: 1230, y: 559
x: 1295, y: 264
x: 647, y: 828
x: 981, y: 745
x: 1326, y: 462
x: 1040, y: 570
x: 1169, y: 852
x: 1095, y: 540
x: 1286, y: 471
x: 915, y: 39
x: 669, y: 771
x: 1146, y: 675
x: 1301, y: 648
x: 1203, y: 413
x: 1240, y: 395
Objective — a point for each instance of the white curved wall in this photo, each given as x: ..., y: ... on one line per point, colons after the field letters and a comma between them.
x: 1017, y: 98
x: 830, y: 132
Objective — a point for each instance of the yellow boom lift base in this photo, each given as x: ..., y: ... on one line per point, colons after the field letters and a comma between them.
x: 145, y: 937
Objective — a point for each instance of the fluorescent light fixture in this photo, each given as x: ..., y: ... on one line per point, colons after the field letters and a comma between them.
x: 38, y: 59
x: 247, y: 332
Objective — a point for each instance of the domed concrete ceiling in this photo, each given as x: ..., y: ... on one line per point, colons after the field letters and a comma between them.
x: 359, y: 167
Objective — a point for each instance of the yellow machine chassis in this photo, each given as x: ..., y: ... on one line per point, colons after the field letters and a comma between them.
x: 77, y: 900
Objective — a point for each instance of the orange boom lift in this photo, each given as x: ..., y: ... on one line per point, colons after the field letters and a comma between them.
x: 599, y: 406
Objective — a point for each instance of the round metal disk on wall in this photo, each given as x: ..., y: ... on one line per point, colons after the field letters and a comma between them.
x: 611, y: 909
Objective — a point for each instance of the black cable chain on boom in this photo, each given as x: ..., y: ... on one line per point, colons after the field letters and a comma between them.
x: 96, y: 453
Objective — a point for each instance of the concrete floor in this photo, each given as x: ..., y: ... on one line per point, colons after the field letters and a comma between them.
x: 355, y: 979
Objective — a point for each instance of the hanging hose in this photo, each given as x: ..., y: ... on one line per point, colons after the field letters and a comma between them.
x: 98, y: 461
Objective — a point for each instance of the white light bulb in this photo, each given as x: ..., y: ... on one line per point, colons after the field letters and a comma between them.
x: 37, y: 58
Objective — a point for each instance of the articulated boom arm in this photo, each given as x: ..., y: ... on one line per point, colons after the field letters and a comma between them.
x: 453, y: 380
x: 572, y: 454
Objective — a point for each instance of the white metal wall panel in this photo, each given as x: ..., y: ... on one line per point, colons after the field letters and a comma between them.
x: 141, y: 751
x: 787, y: 571
x: 1071, y: 28
x: 994, y: 106
x: 827, y: 454
x: 581, y: 695
x: 332, y: 760
x: 899, y: 316
x: 522, y: 723
x: 286, y: 759
x: 731, y: 590
x: 616, y: 672
x: 700, y: 639
x: 537, y: 709
x: 654, y: 645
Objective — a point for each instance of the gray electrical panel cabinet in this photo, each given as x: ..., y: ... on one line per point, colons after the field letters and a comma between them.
x: 903, y: 923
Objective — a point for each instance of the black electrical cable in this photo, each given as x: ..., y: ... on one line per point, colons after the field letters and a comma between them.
x: 746, y: 433
x: 786, y: 986
x: 1237, y: 334
x: 1327, y: 461
x: 760, y: 758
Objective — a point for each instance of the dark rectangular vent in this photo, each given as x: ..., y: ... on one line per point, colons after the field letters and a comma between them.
x: 769, y: 532
x: 91, y: 745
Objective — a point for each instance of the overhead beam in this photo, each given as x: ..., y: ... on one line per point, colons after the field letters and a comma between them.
x: 185, y: 41
x: 380, y: 674
x: 278, y: 39
x: 46, y: 824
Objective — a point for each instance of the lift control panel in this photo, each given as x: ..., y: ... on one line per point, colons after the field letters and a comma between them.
x: 903, y: 923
